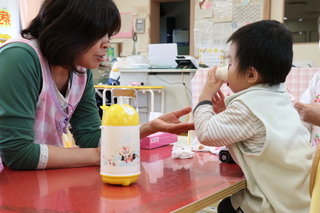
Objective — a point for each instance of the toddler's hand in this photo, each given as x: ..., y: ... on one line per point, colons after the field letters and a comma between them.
x: 218, y: 102
x: 212, y: 85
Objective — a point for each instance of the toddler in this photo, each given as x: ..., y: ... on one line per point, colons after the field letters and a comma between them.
x: 258, y: 123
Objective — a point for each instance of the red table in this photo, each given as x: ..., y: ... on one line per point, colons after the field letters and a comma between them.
x: 165, y: 185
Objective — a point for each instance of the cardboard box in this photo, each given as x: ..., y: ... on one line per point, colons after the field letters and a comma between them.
x: 158, y: 139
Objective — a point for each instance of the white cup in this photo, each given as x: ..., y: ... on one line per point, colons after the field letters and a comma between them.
x: 222, y: 73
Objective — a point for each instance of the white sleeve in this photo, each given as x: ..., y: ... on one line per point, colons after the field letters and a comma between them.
x: 310, y: 94
x: 44, y: 154
x: 236, y: 123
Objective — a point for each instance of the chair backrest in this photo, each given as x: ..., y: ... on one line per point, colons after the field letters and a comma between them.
x: 125, y: 93
x: 315, y: 183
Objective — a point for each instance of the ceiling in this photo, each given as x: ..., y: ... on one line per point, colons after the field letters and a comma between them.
x: 306, y: 9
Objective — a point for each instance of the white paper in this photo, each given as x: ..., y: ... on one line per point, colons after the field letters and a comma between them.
x: 221, y: 33
x: 222, y: 11
x: 249, y: 13
x: 154, y: 115
x: 203, y: 11
x: 127, y: 47
x: 182, y: 152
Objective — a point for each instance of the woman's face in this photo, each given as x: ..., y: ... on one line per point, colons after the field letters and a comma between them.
x: 95, y: 55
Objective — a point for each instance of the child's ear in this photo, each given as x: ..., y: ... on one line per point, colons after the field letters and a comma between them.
x: 253, y: 76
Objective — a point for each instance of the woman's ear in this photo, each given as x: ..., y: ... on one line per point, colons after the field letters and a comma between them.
x: 253, y: 76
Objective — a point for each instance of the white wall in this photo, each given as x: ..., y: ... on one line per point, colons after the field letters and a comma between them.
x: 139, y: 9
x: 28, y: 11
x: 12, y: 6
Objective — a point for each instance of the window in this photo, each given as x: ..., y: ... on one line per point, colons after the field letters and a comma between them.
x: 301, y: 17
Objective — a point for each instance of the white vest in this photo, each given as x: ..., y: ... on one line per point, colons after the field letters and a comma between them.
x: 278, y: 177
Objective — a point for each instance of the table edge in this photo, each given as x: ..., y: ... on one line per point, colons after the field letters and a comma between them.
x: 213, y: 198
x: 132, y: 87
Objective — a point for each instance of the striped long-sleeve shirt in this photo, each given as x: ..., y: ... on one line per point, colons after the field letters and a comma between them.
x: 237, y: 123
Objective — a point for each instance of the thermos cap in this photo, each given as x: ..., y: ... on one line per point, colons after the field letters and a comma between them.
x: 119, y: 115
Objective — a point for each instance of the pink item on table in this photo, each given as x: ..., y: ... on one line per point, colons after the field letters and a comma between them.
x: 157, y: 140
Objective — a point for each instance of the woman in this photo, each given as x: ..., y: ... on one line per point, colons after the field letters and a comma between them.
x: 308, y: 106
x: 46, y: 84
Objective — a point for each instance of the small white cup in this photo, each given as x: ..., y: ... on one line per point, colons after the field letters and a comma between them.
x: 222, y: 73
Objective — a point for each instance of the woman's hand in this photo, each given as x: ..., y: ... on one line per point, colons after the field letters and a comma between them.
x: 218, y: 102
x: 212, y: 85
x: 168, y: 122
x: 309, y: 113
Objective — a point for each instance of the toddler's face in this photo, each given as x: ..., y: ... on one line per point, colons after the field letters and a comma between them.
x: 236, y: 82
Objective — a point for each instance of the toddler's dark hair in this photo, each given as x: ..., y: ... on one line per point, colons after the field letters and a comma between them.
x: 266, y: 46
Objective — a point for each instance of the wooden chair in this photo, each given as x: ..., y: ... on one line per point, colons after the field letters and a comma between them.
x: 315, y: 183
x: 122, y: 94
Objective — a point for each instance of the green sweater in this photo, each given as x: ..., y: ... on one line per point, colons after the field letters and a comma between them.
x: 20, y: 86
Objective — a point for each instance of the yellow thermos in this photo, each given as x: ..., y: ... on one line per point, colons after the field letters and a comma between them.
x: 120, y: 145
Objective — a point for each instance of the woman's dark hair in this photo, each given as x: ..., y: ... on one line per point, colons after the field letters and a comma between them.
x: 66, y: 29
x: 266, y: 46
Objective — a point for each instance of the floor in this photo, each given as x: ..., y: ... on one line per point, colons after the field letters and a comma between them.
x: 210, y: 209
